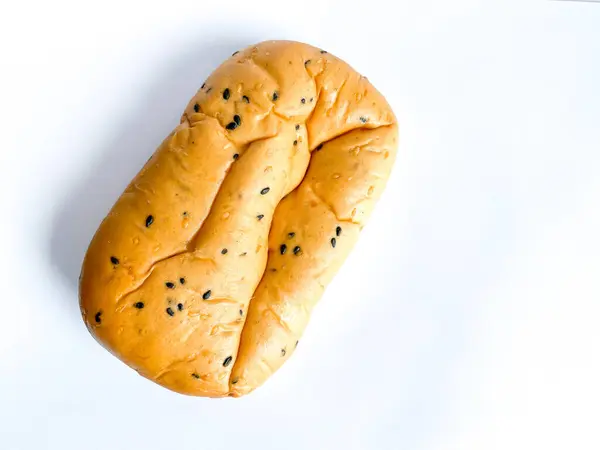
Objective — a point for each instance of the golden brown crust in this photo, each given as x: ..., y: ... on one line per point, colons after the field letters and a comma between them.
x: 203, y: 275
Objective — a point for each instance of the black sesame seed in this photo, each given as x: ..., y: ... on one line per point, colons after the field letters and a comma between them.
x: 149, y: 221
x: 196, y: 107
x: 338, y: 231
x: 363, y: 119
x: 307, y: 62
x: 295, y: 142
x: 333, y: 242
x: 234, y: 381
x: 203, y: 86
x: 236, y: 156
x: 303, y: 100
x: 311, y: 99
x: 180, y: 306
x: 260, y: 216
x: 114, y: 260
x: 297, y: 343
x: 227, y: 361
x: 170, y: 311
x: 98, y: 317
x: 206, y: 295
x: 323, y: 51
x: 297, y: 250
x: 275, y: 96
x: 196, y: 376
x: 241, y: 312
x: 282, y: 249
x: 243, y: 254
x: 226, y: 94
x: 273, y: 269
x: 291, y: 235
x: 265, y: 190
x: 246, y: 99
x: 283, y: 352
x: 297, y: 127
x: 139, y: 305
x: 319, y: 147
x: 231, y: 126
x: 185, y: 213
x: 170, y: 285
x: 237, y: 119
x: 224, y: 251
x: 208, y: 90
x: 182, y: 280
x: 235, y: 53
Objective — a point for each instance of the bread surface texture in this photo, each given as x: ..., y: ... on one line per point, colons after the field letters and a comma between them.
x: 204, y: 273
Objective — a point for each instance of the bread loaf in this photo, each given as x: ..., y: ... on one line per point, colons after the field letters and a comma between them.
x: 204, y: 274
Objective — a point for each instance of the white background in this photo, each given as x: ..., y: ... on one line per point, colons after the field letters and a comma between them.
x: 467, y: 318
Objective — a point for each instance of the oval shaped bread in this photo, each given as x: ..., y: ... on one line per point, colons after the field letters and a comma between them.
x: 204, y: 274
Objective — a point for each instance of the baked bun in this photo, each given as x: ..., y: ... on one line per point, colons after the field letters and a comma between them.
x: 204, y: 273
